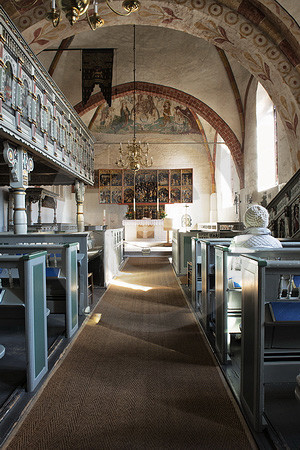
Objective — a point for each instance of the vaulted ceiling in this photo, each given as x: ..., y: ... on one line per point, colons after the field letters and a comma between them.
x: 239, y: 41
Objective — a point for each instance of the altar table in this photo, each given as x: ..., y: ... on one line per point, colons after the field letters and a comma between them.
x: 144, y: 229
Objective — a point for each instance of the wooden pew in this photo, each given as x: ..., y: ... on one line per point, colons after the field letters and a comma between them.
x: 29, y: 295
x: 61, y: 278
x: 59, y: 238
x: 270, y: 346
x: 113, y: 253
x: 207, y: 297
x: 196, y: 273
x: 228, y: 299
x: 182, y: 250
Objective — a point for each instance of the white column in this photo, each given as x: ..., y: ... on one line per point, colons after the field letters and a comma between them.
x: 79, y: 194
x: 20, y: 164
x: 213, y: 208
x: 80, y: 216
x: 20, y: 216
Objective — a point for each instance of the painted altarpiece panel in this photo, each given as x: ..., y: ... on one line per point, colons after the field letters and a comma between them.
x: 149, y: 186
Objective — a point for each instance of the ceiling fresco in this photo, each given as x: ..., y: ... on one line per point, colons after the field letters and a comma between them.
x: 259, y: 34
x: 153, y: 115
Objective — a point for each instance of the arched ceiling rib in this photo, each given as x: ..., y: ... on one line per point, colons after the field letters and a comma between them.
x: 210, y: 156
x: 65, y: 43
x: 259, y: 34
x: 185, y: 99
x: 235, y: 90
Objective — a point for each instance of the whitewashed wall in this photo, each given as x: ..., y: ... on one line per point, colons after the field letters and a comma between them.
x: 166, y: 155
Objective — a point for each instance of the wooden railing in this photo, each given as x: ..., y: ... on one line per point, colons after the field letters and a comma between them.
x: 35, y: 114
x: 284, y: 210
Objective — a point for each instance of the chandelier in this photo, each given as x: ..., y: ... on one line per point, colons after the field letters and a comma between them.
x: 136, y: 155
x: 76, y: 8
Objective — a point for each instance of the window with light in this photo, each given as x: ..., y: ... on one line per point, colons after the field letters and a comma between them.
x: 266, y: 140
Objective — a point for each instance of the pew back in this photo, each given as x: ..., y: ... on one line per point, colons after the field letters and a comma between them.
x: 206, y: 300
x: 261, y: 364
x: 228, y: 298
x: 64, y: 258
x: 58, y: 238
x: 30, y: 295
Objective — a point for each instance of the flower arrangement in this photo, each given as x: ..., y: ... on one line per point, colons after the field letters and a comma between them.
x: 162, y: 214
x: 129, y: 215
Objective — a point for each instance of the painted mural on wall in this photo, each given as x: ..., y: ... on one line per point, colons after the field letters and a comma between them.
x: 153, y: 114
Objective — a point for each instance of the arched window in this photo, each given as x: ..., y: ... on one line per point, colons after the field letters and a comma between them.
x: 224, y: 176
x: 266, y: 140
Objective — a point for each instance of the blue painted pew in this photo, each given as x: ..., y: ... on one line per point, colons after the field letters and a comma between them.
x: 25, y: 277
x: 61, y: 278
x: 270, y: 342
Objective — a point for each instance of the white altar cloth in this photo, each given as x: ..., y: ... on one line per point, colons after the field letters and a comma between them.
x: 144, y: 229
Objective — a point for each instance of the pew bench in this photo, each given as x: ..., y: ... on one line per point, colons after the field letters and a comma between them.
x: 204, y: 255
x: 10, y: 239
x: 270, y: 341
x: 228, y: 298
x: 196, y: 281
x: 61, y: 278
x: 23, y: 280
x: 206, y: 299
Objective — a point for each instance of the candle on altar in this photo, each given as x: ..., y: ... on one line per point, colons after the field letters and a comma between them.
x: 134, y: 204
x: 157, y: 207
x: 53, y: 4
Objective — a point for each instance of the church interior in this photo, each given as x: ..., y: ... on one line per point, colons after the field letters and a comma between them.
x: 134, y: 137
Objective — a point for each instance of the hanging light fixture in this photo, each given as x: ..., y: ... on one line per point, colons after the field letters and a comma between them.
x: 136, y: 155
x: 76, y: 8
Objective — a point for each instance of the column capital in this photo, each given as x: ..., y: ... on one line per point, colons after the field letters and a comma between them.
x: 20, y: 164
x: 79, y: 191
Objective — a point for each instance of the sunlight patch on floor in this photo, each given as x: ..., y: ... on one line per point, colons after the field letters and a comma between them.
x: 136, y: 287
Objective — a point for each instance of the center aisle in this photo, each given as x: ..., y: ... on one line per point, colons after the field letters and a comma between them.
x: 141, y: 378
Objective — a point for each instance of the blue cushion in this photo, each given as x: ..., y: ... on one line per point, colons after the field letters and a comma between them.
x: 285, y: 311
x: 296, y: 280
x: 52, y: 272
x: 233, y: 284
